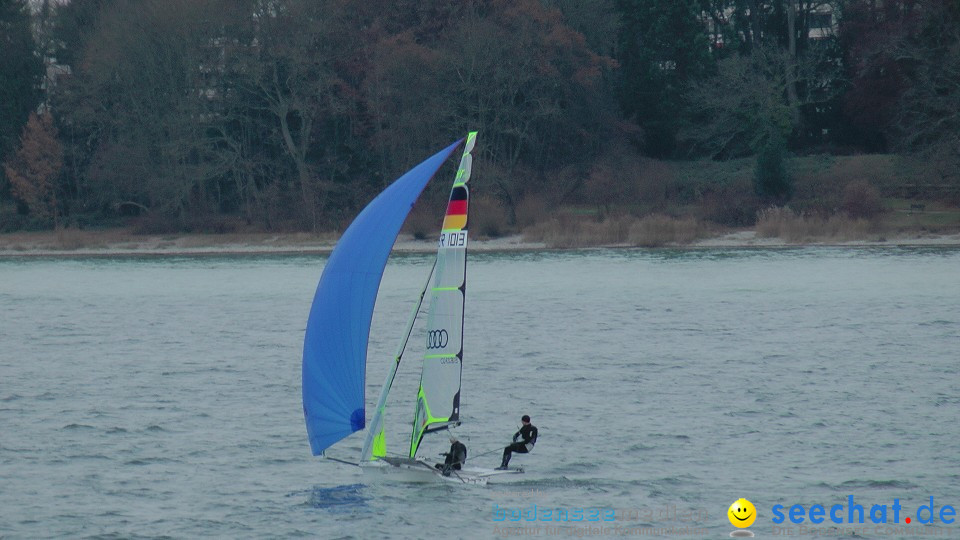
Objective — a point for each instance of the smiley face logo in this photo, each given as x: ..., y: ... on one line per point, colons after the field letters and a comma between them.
x: 742, y: 513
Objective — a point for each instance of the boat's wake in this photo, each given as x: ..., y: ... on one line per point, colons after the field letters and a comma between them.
x: 340, y: 498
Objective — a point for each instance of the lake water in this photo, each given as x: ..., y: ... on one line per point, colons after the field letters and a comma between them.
x: 146, y: 397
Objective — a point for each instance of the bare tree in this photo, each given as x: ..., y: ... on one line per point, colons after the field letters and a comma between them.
x: 144, y: 72
x: 293, y: 75
x: 536, y: 89
x: 34, y: 167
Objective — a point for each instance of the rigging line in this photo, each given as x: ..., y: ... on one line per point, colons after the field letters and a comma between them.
x: 429, y: 468
x: 451, y: 469
x: 388, y: 383
x: 413, y: 317
x: 497, y: 449
x: 338, y: 460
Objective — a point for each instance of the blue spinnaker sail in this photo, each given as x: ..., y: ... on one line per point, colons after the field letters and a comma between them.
x: 335, y: 344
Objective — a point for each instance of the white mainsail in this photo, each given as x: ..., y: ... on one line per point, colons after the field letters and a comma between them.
x: 438, y: 400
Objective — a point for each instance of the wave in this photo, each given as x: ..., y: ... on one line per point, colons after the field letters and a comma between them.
x: 77, y: 426
x: 578, y: 467
x: 670, y: 436
x: 640, y: 447
x: 946, y: 400
x: 938, y: 322
x: 868, y: 484
x: 149, y: 461
x: 88, y: 456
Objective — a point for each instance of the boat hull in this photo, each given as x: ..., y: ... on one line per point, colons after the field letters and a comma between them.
x: 424, y: 471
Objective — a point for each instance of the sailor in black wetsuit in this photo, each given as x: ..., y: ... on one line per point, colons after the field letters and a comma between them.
x: 529, y: 434
x: 456, y: 457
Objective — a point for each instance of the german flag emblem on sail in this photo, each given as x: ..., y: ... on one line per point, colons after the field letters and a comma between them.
x: 456, y: 218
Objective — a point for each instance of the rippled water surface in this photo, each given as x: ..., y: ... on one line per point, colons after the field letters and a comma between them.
x: 161, y: 396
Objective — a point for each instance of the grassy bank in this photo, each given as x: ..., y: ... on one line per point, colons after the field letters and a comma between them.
x: 834, y: 199
x: 627, y: 201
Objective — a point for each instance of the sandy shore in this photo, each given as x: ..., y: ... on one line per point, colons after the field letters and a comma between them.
x: 750, y: 239
x: 73, y: 243
x: 116, y: 243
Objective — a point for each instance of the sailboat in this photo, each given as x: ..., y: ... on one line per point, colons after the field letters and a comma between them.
x: 338, y: 329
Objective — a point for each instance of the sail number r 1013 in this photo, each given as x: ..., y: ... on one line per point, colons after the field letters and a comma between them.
x: 453, y: 239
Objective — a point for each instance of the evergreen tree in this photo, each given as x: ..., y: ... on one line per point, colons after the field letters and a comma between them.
x: 771, y: 180
x: 663, y: 46
x: 73, y: 24
x: 21, y: 70
x: 928, y: 111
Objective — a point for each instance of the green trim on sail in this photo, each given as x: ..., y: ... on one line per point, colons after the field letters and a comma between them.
x: 465, y: 171
x: 379, y: 445
x: 418, y: 430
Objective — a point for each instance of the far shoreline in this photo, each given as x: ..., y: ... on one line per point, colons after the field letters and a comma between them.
x: 118, y: 243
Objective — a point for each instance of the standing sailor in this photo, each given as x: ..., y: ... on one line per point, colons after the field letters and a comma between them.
x: 529, y: 434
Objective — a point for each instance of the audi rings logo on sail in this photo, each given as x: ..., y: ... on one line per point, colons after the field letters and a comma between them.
x: 437, y: 339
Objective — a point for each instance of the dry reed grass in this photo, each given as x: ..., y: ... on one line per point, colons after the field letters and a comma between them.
x: 567, y: 231
x: 75, y: 239
x: 659, y: 230
x: 66, y: 239
x: 570, y: 231
x: 784, y: 223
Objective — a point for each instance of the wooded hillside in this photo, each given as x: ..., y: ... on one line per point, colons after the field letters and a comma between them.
x: 209, y: 115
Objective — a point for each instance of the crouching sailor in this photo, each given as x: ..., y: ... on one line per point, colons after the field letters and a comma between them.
x: 456, y: 457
